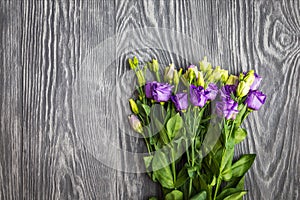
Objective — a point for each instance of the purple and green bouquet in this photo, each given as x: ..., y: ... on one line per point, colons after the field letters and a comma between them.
x: 191, y: 121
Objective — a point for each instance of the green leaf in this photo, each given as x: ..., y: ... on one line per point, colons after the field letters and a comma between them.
x: 242, y: 109
x: 181, y: 178
x: 200, y: 196
x: 153, y: 198
x: 147, y: 161
x: 174, y: 124
x: 162, y: 171
x: 236, y: 196
x: 146, y: 109
x: 239, y: 135
x: 227, y: 159
x: 236, y: 182
x: 226, y: 193
x: 174, y: 195
x: 240, y: 167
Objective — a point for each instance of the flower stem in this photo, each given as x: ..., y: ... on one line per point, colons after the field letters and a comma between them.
x: 217, y: 187
x: 157, y: 76
x: 173, y: 166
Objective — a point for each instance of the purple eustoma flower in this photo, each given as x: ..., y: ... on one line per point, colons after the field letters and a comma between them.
x: 227, y: 108
x: 180, y: 101
x: 197, y: 95
x: 226, y: 90
x: 160, y: 92
x: 211, y: 91
x: 255, y: 99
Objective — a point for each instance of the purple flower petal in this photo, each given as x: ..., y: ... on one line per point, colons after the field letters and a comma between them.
x: 197, y: 96
x: 158, y: 91
x: 180, y: 101
x: 226, y: 90
x: 227, y: 108
x: 211, y: 91
x: 255, y: 99
x: 256, y: 82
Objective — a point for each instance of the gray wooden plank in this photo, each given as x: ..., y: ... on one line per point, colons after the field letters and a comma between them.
x: 10, y: 101
x: 55, y: 39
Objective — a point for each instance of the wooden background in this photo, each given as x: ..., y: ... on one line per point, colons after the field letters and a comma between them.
x: 43, y: 44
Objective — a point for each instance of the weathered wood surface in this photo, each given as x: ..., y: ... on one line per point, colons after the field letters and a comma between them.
x: 43, y: 46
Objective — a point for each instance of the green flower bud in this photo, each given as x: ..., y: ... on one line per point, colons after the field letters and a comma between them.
x: 155, y: 65
x: 204, y: 65
x: 140, y: 77
x: 232, y: 80
x: 200, y: 80
x: 133, y: 63
x: 250, y: 77
x: 133, y: 106
x: 242, y: 89
x: 176, y: 77
x: 218, y: 75
x: 169, y: 73
x: 224, y: 75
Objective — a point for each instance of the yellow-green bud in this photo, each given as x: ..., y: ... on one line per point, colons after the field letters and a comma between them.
x: 250, y: 77
x: 232, y: 80
x: 180, y: 72
x: 190, y: 74
x: 176, y: 77
x: 131, y: 64
x: 169, y: 73
x: 155, y: 65
x: 133, y: 106
x: 200, y: 80
x: 135, y: 61
x: 140, y: 77
x: 224, y: 75
x: 204, y: 65
x: 242, y: 89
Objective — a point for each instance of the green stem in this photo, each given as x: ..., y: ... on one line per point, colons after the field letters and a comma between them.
x: 176, y: 88
x: 209, y: 193
x: 173, y: 166
x: 190, y: 187
x: 157, y: 76
x: 147, y: 144
x: 217, y: 187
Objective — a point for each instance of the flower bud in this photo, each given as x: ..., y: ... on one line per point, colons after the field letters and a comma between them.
x: 194, y: 69
x: 155, y: 65
x: 200, y: 80
x: 140, y: 77
x: 250, y: 77
x: 232, y: 80
x: 204, y: 65
x: 135, y: 123
x: 131, y: 64
x: 224, y: 75
x: 242, y: 89
x: 218, y: 75
x: 176, y: 77
x: 133, y: 106
x: 169, y: 73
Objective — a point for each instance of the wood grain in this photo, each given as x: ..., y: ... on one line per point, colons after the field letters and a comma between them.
x: 50, y: 100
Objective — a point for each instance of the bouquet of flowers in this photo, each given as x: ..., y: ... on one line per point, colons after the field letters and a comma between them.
x: 191, y: 147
